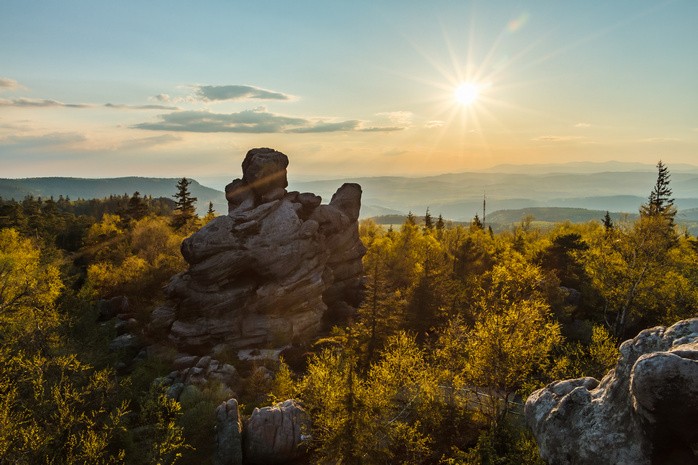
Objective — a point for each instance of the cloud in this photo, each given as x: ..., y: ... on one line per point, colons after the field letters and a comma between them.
x: 557, y: 138
x: 382, y: 129
x: 161, y: 98
x: 31, y: 102
x: 582, y: 125
x: 434, y: 124
x: 350, y: 125
x: 9, y: 84
x: 44, y: 140
x: 149, y: 141
x: 140, y: 107
x: 236, y: 92
x: 256, y: 121
x: 401, y: 118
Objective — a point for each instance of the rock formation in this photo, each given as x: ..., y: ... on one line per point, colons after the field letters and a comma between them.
x: 643, y: 412
x: 275, y: 434
x: 228, y: 434
x: 267, y: 272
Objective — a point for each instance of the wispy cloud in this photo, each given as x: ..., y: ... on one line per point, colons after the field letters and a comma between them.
x: 140, y: 107
x: 349, y: 125
x: 257, y: 121
x: 44, y: 140
x: 382, y: 129
x: 45, y: 103
x: 582, y: 125
x: 434, y: 124
x: 557, y: 138
x: 400, y: 118
x: 659, y: 139
x: 236, y: 92
x: 149, y: 141
x: 9, y: 84
x: 165, y: 98
x: 248, y: 121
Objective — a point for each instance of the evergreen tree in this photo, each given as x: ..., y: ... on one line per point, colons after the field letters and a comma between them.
x: 185, y: 211
x: 660, y: 202
x: 477, y: 223
x: 440, y: 223
x: 608, y: 222
x: 428, y: 222
x: 137, y: 208
x: 210, y: 214
x: 410, y: 219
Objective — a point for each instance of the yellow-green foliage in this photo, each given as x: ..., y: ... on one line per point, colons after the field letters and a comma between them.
x: 136, y: 262
x: 26, y: 284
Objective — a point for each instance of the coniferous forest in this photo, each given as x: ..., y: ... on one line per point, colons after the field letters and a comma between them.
x: 457, y: 326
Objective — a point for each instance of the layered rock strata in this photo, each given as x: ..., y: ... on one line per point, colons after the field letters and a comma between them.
x: 267, y: 272
x: 643, y: 412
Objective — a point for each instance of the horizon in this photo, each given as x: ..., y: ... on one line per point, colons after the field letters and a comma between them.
x: 105, y: 90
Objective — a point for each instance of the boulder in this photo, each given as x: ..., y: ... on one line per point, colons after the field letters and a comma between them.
x: 228, y: 434
x: 274, y: 435
x: 266, y: 272
x: 643, y: 412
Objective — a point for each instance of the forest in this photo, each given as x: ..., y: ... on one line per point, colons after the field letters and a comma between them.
x: 457, y: 326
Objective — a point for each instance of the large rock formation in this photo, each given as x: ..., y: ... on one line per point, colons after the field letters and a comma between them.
x: 643, y: 412
x: 267, y: 272
x: 276, y: 434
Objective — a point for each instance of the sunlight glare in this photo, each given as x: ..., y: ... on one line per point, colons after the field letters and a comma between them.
x: 467, y: 93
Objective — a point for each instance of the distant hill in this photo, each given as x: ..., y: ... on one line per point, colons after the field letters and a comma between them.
x: 83, y: 188
x: 553, y: 215
x: 459, y: 196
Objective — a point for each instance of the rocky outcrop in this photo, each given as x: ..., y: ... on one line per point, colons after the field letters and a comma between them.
x: 267, y: 272
x: 643, y: 412
x: 228, y: 434
x: 275, y: 434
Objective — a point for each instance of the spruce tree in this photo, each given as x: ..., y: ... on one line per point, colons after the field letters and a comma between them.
x: 137, y: 208
x: 660, y: 202
x: 440, y: 223
x: 608, y: 222
x: 428, y: 222
x: 185, y: 211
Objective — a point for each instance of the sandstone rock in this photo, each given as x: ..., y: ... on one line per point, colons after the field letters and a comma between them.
x: 228, y: 434
x: 642, y: 412
x: 273, y: 435
x: 264, y: 170
x: 266, y: 272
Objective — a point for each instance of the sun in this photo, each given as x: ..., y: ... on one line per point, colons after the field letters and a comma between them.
x: 467, y: 93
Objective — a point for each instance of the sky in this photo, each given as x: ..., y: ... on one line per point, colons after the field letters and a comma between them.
x: 362, y: 88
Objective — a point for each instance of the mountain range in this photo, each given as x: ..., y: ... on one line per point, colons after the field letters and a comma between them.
x: 599, y: 187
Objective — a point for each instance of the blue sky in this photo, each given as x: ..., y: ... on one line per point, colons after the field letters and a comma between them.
x: 174, y: 88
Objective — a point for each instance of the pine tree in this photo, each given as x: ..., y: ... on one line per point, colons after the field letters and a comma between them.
x: 210, y: 214
x: 440, y: 223
x: 428, y: 222
x: 136, y: 208
x: 410, y: 219
x: 660, y: 202
x: 608, y: 222
x: 185, y: 211
x: 477, y: 223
